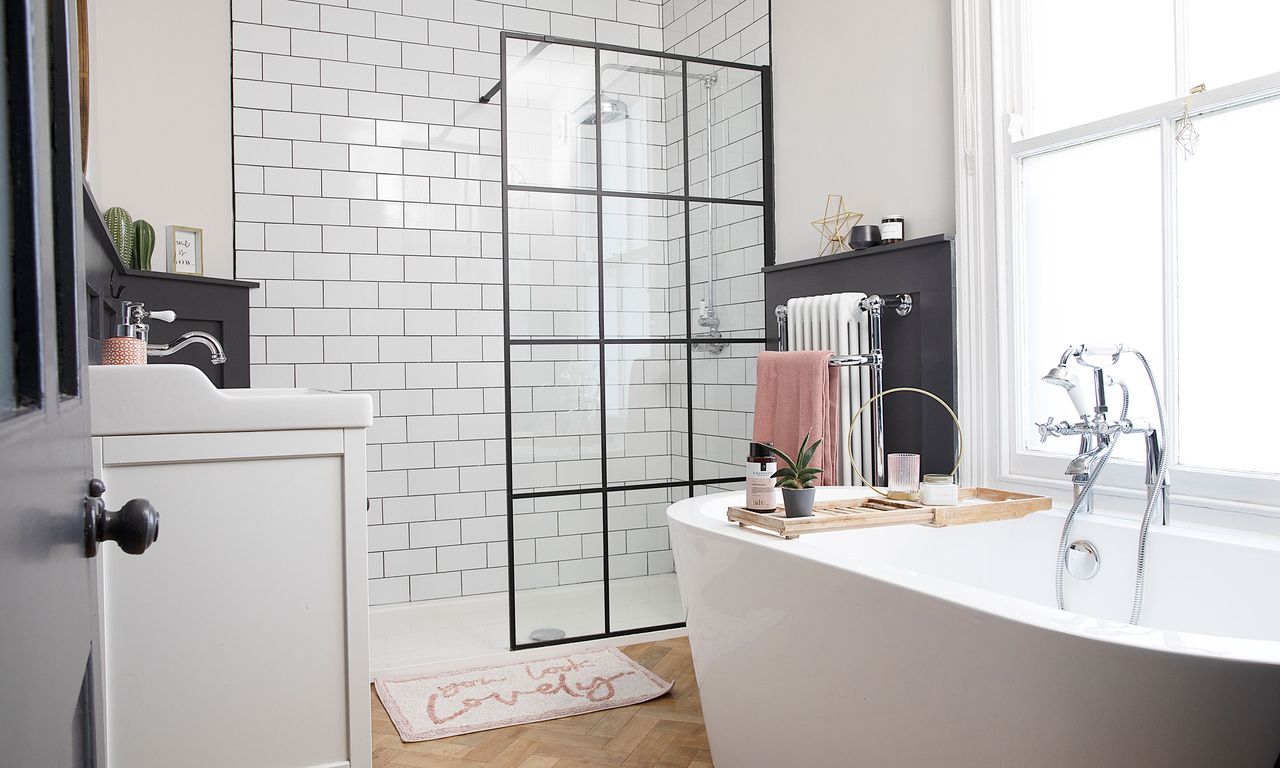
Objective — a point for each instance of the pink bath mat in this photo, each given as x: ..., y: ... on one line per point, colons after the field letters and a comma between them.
x: 433, y: 706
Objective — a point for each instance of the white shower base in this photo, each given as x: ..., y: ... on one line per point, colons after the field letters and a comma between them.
x: 415, y: 634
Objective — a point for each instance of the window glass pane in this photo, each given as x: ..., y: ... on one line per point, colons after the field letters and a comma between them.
x: 1088, y: 59
x: 555, y: 417
x: 726, y: 256
x: 559, y: 565
x: 1226, y: 214
x: 1231, y: 40
x: 647, y: 420
x: 726, y: 133
x: 554, y: 265
x: 642, y: 124
x: 1091, y: 255
x: 551, y: 132
x: 724, y: 402
x: 643, y: 591
x: 643, y: 268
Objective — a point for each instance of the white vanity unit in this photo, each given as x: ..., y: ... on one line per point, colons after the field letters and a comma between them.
x: 240, y: 637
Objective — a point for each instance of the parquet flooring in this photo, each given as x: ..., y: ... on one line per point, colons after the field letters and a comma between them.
x: 666, y: 732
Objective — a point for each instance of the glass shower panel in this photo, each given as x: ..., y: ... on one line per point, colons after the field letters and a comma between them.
x: 551, y: 131
x: 641, y: 127
x: 610, y: 267
x: 643, y: 591
x: 726, y: 255
x: 555, y: 417
x: 559, y: 565
x: 643, y: 268
x: 646, y: 416
x: 724, y: 393
x: 726, y: 133
x: 553, y: 257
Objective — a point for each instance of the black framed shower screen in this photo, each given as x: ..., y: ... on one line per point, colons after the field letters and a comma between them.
x: 601, y: 341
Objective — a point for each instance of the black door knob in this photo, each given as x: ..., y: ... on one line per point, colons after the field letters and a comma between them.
x: 134, y: 527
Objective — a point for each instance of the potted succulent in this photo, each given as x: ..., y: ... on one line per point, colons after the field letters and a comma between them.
x: 796, y: 479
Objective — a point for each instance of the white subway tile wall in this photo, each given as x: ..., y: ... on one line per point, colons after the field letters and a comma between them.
x: 723, y: 384
x: 367, y: 183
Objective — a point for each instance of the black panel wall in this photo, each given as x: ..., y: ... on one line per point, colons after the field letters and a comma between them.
x: 215, y: 305
x: 919, y: 349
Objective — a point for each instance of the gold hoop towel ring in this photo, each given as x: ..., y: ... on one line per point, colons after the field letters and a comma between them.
x: 848, y: 443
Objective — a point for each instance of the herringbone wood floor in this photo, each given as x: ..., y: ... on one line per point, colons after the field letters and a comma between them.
x: 666, y: 732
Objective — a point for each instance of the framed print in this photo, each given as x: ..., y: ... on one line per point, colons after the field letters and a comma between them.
x: 186, y: 250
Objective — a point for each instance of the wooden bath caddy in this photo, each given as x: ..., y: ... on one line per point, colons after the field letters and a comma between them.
x: 977, y: 505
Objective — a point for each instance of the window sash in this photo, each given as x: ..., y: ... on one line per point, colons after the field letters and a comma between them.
x: 1123, y: 482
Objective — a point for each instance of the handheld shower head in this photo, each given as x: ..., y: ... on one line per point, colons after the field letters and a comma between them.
x: 1061, y: 377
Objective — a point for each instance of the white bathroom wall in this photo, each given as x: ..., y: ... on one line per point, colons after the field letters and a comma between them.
x: 160, y: 109
x: 724, y: 384
x: 862, y: 108
x: 729, y: 30
x: 367, y: 202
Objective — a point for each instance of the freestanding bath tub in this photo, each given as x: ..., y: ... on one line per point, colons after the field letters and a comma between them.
x: 916, y: 646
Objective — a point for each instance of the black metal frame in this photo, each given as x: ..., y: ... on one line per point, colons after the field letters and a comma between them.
x: 601, y: 341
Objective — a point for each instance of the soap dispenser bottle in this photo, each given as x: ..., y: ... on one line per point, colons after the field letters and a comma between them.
x: 128, y: 345
x: 762, y: 493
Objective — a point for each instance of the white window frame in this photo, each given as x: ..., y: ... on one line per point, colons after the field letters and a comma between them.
x: 985, y: 39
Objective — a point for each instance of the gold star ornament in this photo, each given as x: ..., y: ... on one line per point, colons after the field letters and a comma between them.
x: 834, y: 225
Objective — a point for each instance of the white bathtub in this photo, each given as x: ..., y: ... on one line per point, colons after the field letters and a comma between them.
x: 915, y: 646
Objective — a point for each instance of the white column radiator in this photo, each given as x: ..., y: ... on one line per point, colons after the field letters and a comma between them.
x: 836, y: 322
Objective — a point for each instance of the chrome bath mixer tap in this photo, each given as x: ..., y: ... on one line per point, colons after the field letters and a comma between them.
x: 1096, y: 431
x: 1098, y: 434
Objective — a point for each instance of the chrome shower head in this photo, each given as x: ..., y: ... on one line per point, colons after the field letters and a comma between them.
x: 612, y: 110
x: 1061, y: 377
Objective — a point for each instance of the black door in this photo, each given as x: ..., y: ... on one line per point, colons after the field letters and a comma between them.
x: 48, y: 622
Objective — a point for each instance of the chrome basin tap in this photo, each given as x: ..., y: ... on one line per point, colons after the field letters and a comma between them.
x: 135, y: 326
x: 217, y: 355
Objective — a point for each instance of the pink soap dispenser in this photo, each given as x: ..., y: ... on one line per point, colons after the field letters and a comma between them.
x: 128, y: 346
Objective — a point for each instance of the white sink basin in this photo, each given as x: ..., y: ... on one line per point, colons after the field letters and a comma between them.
x: 174, y: 399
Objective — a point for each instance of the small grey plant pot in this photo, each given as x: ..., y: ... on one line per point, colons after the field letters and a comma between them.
x: 798, y: 502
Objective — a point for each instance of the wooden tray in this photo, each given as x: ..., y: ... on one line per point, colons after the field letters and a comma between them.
x: 977, y: 505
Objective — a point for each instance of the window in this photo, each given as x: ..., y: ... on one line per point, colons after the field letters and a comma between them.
x: 1110, y: 231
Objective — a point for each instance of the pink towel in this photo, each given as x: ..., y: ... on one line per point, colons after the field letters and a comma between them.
x: 798, y: 393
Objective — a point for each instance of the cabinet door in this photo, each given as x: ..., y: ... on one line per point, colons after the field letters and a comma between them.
x: 238, y: 624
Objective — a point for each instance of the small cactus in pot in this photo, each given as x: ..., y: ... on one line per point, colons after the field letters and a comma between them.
x: 144, y: 243
x: 120, y: 227
x: 797, y: 477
